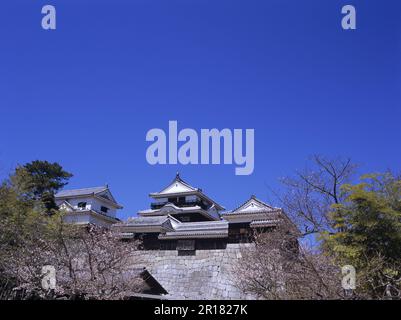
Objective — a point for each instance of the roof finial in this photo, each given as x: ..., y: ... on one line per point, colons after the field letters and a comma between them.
x: 253, y: 196
x: 177, y: 175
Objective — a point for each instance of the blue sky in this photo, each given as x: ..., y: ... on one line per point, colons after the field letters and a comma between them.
x: 85, y: 94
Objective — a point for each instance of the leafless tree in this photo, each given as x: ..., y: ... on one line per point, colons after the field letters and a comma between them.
x: 277, y: 268
x: 310, y: 194
x: 90, y: 263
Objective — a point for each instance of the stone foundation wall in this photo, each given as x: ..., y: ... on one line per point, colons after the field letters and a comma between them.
x: 206, y: 275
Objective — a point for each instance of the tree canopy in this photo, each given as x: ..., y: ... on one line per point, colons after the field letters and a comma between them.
x: 40, y: 180
x: 354, y: 223
x: 368, y: 233
x: 91, y: 262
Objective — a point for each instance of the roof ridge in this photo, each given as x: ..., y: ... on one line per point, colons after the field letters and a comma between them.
x: 179, y: 179
x: 88, y: 188
x: 253, y: 197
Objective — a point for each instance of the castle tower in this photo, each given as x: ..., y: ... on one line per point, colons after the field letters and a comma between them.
x: 184, y: 202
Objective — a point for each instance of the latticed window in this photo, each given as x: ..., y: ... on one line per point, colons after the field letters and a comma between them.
x: 186, y: 245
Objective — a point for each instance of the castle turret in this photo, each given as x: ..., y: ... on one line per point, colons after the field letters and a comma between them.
x: 184, y: 202
x: 89, y: 206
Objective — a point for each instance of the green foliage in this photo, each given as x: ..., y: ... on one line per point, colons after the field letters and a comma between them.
x: 26, y: 232
x: 26, y: 199
x: 40, y: 180
x: 368, y: 232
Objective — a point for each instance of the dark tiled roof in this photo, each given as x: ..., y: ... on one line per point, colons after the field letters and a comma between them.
x: 80, y: 192
x: 148, y: 221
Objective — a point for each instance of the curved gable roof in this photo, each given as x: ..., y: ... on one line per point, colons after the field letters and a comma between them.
x: 177, y: 186
x: 253, y: 205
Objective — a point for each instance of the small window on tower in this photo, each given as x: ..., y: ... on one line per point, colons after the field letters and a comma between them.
x: 81, y: 205
x: 104, y: 209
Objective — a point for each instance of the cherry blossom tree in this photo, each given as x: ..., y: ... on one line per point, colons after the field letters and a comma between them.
x: 89, y: 262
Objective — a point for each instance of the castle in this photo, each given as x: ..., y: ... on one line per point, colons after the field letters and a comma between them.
x: 189, y: 242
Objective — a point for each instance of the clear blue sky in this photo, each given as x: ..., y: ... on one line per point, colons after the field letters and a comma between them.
x: 86, y: 94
